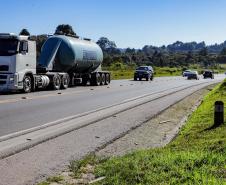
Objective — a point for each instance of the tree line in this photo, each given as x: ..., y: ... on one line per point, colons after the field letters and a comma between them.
x: 178, y: 54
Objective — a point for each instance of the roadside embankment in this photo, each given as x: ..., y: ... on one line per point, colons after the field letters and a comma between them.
x: 196, y: 155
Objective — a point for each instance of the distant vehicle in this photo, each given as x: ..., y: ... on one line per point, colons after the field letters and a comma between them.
x: 146, y: 72
x: 185, y: 73
x: 193, y: 75
x: 208, y: 74
x: 64, y: 61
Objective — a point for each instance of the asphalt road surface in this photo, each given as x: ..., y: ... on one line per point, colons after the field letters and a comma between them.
x: 51, y: 157
x: 24, y: 111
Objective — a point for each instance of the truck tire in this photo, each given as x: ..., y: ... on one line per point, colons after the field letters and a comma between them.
x: 147, y: 78
x: 65, y: 79
x: 107, y: 79
x: 56, y: 82
x: 103, y: 79
x: 84, y: 81
x: 27, y: 85
x: 96, y: 79
x: 151, y: 78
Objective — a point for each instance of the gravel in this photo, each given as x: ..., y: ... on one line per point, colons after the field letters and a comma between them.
x: 158, y: 131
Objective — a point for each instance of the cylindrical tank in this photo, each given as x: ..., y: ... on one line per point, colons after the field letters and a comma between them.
x: 68, y: 54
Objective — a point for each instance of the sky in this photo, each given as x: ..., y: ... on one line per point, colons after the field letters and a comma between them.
x: 129, y: 23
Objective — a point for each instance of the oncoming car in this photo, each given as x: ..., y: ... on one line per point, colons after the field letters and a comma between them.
x: 185, y: 73
x: 193, y: 75
x: 146, y: 72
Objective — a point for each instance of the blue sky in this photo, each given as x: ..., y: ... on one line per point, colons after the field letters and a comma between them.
x: 130, y: 23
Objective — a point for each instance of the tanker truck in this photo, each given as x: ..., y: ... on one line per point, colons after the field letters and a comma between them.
x: 64, y: 61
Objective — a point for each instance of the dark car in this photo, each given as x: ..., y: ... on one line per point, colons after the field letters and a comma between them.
x: 193, y: 75
x: 208, y: 74
x: 146, y: 72
x: 185, y: 73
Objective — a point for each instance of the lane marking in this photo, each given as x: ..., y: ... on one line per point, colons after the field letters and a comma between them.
x: 61, y: 120
x: 39, y: 97
x: 51, y: 95
x: 14, y: 146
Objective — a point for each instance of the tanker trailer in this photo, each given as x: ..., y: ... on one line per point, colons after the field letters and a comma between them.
x: 70, y: 59
x: 64, y: 61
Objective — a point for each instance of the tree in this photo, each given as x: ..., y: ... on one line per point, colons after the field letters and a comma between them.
x: 203, y: 52
x: 24, y: 32
x: 130, y: 51
x: 65, y: 29
x: 40, y: 39
x: 106, y: 44
x: 223, y: 51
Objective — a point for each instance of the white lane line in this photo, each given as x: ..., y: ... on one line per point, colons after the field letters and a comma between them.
x: 56, y: 122
x: 17, y: 144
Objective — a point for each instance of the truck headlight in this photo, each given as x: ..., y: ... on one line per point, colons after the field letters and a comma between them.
x: 13, y: 79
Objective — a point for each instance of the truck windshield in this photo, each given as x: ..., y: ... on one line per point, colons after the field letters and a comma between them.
x: 8, y: 47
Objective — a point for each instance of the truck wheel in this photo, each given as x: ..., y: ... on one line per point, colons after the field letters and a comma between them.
x: 84, y: 81
x: 65, y: 81
x: 147, y: 78
x: 151, y: 78
x: 96, y: 79
x: 135, y: 79
x: 27, y: 84
x: 103, y: 79
x: 56, y: 82
x: 107, y: 79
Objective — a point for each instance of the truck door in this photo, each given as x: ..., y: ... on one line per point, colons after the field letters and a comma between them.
x: 24, y: 59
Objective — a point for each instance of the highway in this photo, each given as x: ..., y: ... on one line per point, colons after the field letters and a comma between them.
x: 24, y: 111
x: 91, y: 118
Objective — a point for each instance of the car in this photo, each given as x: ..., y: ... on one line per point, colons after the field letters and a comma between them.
x: 208, y: 74
x: 193, y: 75
x: 185, y: 73
x: 146, y: 72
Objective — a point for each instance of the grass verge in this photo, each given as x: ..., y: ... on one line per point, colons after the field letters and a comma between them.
x: 54, y: 179
x: 196, y: 156
x: 159, y: 71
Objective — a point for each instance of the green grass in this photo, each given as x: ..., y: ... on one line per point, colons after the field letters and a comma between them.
x: 121, y: 71
x: 159, y: 72
x: 128, y: 73
x: 196, y: 156
x: 167, y: 71
x: 49, y: 180
x: 78, y: 167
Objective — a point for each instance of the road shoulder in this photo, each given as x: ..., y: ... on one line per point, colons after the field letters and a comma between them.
x: 158, y: 131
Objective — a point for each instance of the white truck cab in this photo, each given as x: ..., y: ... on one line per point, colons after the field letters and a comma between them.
x: 17, y: 62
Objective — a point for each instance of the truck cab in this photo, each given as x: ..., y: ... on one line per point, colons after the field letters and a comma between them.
x: 17, y: 61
